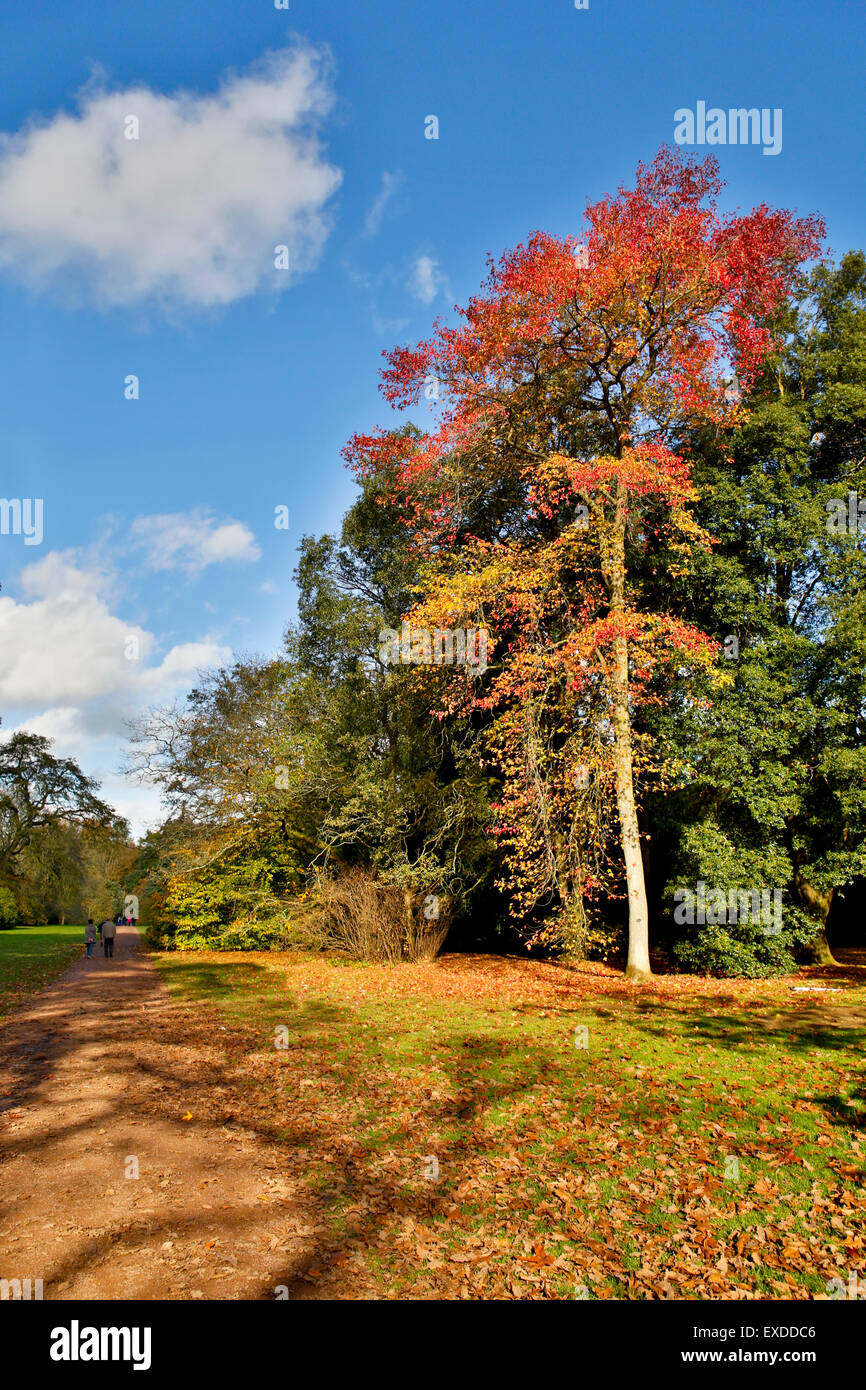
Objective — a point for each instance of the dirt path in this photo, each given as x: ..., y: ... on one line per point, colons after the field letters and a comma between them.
x: 92, y: 1083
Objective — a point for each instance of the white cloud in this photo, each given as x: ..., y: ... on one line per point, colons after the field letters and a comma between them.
x: 64, y: 647
x: 373, y: 220
x: 190, y: 212
x: 141, y: 805
x: 192, y: 541
x: 426, y: 280
x: 63, y: 725
x: 183, y: 661
x: 69, y: 671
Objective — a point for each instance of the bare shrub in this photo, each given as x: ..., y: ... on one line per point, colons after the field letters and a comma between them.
x: 355, y: 912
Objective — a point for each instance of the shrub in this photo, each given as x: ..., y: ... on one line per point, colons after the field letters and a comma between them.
x: 745, y: 950
x: 734, y: 951
x: 9, y: 914
x: 741, y: 949
x: 244, y: 934
x: 355, y: 912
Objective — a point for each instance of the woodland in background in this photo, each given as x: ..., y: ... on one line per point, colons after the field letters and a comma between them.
x: 64, y: 853
x: 642, y: 441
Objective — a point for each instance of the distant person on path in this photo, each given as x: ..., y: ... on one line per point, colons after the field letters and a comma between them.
x: 89, y: 937
x: 109, y: 932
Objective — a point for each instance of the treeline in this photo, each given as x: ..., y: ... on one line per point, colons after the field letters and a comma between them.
x: 64, y: 853
x: 653, y: 519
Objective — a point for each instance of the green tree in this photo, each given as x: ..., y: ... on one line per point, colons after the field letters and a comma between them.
x: 776, y: 786
x: 401, y: 789
x: 44, y: 804
x: 326, y: 757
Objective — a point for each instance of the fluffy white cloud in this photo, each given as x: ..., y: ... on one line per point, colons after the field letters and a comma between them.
x: 426, y: 279
x: 63, y: 646
x: 140, y: 805
x: 191, y: 541
x: 63, y: 725
x: 190, y: 212
x: 76, y: 672
x: 181, y: 662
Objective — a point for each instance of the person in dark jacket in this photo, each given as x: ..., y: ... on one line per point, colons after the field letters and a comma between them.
x: 109, y: 932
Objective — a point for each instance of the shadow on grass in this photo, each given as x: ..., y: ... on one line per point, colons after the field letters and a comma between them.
x: 217, y: 979
x: 375, y: 1198
x: 795, y: 1029
x: 841, y: 1112
x: 338, y: 1061
x: 225, y: 982
x: 479, y: 1074
x: 338, y: 1155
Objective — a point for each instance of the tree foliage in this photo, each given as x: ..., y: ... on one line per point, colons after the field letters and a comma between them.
x: 62, y: 848
x: 639, y: 440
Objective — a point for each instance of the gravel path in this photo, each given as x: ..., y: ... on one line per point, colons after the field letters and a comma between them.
x: 94, y: 1087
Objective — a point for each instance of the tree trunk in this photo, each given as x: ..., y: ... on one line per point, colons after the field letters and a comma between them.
x: 409, y: 911
x: 818, y: 906
x: 638, y: 965
x: 818, y: 950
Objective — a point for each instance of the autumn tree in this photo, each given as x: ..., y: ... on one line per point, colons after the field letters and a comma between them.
x: 554, y: 464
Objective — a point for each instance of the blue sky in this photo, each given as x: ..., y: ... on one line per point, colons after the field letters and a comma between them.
x: 155, y: 257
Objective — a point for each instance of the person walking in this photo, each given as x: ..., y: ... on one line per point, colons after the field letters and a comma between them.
x: 89, y: 937
x: 109, y: 932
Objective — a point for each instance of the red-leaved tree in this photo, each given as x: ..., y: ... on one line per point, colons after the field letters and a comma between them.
x: 563, y: 394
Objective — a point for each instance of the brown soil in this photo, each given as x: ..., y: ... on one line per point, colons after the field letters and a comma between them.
x: 95, y: 1073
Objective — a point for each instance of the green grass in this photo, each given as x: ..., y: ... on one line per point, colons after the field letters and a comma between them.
x: 31, y: 957
x: 592, y: 1165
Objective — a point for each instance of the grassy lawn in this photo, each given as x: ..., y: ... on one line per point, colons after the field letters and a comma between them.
x: 459, y: 1135
x: 30, y: 957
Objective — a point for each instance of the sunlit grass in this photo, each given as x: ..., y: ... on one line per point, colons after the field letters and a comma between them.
x: 31, y: 957
x: 694, y: 1117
